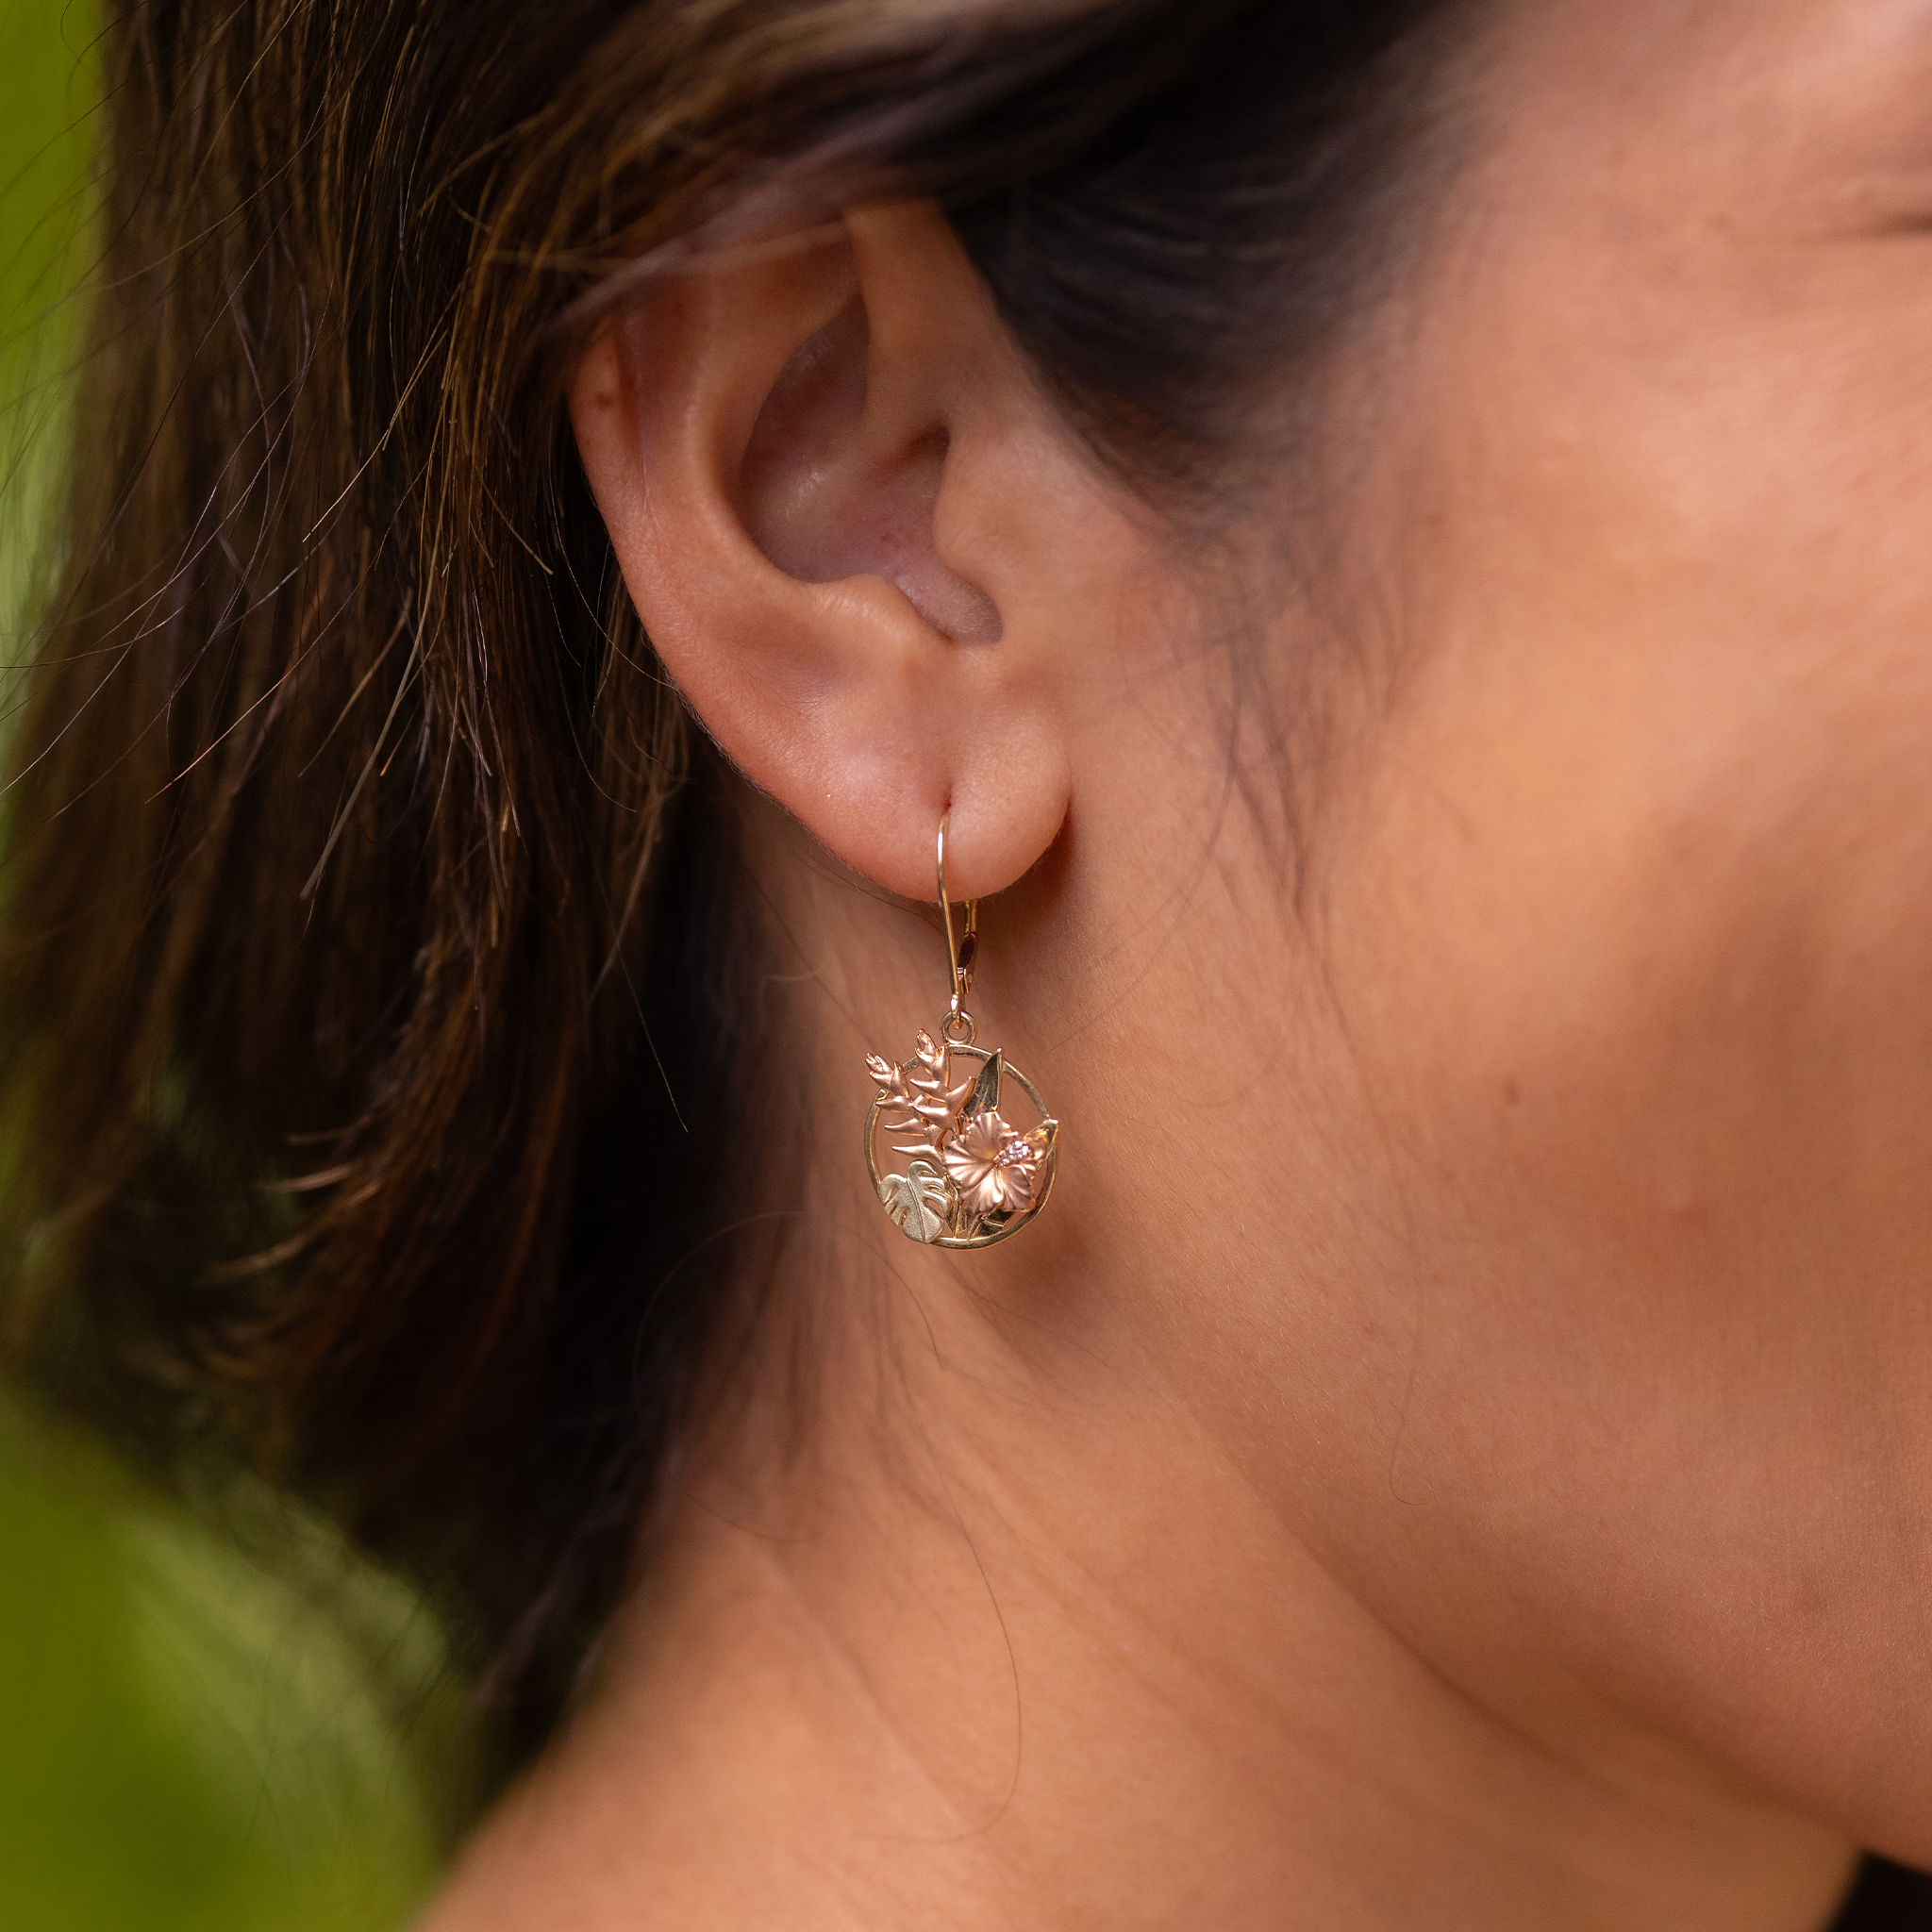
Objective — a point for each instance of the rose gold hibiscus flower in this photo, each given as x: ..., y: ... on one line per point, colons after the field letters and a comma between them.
x: 994, y: 1169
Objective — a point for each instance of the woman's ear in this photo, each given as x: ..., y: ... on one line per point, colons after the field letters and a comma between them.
x: 834, y: 493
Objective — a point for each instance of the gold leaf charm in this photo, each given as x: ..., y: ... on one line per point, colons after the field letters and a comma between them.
x: 977, y: 1173
x: 920, y: 1202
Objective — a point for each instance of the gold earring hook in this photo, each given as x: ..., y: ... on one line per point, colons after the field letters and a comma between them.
x: 960, y: 952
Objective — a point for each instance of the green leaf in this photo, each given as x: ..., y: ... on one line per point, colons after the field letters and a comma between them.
x: 985, y: 1093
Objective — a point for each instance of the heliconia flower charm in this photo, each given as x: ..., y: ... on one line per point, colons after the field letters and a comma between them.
x: 974, y: 1177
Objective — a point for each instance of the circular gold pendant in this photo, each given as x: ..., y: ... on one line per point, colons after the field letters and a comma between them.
x: 964, y: 1166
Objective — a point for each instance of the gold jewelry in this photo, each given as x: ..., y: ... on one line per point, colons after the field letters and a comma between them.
x: 974, y: 1177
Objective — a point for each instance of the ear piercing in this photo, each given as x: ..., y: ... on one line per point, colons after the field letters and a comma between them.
x: 974, y: 1175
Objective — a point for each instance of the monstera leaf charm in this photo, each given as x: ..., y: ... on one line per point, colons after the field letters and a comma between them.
x: 977, y: 1174
x: 921, y: 1203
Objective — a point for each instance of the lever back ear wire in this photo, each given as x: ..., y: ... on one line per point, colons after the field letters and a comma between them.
x: 975, y: 1176
x: 960, y: 952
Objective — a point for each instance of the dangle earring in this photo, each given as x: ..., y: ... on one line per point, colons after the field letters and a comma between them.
x: 974, y: 1177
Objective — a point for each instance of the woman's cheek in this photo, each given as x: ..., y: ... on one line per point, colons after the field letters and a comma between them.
x: 1645, y: 1017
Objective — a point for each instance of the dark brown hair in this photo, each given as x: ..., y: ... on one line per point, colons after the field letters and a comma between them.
x: 366, y: 978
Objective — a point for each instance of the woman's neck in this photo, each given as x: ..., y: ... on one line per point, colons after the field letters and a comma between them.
x: 1015, y: 1643
x: 975, y: 1607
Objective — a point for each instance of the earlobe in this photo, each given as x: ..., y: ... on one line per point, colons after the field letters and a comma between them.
x: 807, y: 459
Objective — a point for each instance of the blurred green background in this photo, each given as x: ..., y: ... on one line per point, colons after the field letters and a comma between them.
x: 189, y: 1738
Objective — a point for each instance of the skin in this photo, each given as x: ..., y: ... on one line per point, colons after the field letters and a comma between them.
x: 1456, y: 1450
